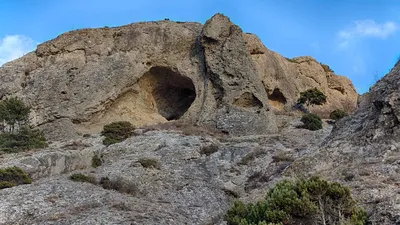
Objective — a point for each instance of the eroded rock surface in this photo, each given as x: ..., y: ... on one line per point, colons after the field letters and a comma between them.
x: 285, y: 78
x: 145, y: 73
x: 153, y: 72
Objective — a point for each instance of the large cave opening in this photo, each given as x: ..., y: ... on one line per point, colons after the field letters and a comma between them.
x: 159, y: 95
x: 172, y: 94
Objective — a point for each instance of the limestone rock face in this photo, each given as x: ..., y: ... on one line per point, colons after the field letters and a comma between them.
x: 285, y: 78
x: 145, y: 73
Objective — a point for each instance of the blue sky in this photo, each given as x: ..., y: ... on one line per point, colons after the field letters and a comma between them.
x: 357, y: 38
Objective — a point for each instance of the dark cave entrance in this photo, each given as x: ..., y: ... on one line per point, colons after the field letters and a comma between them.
x: 277, y: 99
x: 172, y: 93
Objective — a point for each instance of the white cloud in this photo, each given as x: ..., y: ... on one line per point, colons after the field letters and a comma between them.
x: 15, y: 46
x: 366, y: 28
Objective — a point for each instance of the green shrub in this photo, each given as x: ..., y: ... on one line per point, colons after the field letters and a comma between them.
x: 150, y: 163
x: 312, y: 201
x: 291, y: 60
x: 311, y: 122
x: 338, y: 114
x: 209, y: 149
x: 119, y: 185
x: 116, y: 132
x: 312, y: 97
x: 25, y: 139
x: 96, y: 161
x: 13, y: 176
x: 78, y: 177
x: 6, y: 184
x: 326, y: 68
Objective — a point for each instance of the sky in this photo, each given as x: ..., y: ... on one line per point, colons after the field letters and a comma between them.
x: 359, y: 39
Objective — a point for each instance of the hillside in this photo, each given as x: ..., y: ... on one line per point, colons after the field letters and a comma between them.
x: 214, y: 117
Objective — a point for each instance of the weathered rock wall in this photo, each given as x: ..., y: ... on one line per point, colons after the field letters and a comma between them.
x: 285, y: 78
x: 145, y: 73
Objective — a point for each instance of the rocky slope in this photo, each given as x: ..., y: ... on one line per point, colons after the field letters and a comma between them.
x: 195, y: 179
x: 211, y: 75
x: 363, y: 151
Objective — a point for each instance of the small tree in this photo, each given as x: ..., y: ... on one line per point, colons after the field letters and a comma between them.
x: 312, y: 97
x: 13, y: 112
x: 15, y: 133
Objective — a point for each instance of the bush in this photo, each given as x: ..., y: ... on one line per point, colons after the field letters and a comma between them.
x: 96, y: 161
x: 291, y: 60
x: 78, y: 177
x: 311, y: 122
x: 23, y: 140
x: 326, y: 68
x: 119, y: 185
x: 13, y: 176
x: 338, y: 114
x: 312, y: 201
x: 312, y: 97
x: 150, y: 163
x: 117, y: 132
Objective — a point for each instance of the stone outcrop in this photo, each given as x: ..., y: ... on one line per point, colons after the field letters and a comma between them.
x: 285, y: 78
x: 146, y: 73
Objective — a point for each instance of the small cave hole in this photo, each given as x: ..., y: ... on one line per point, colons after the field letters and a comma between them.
x: 277, y: 99
x: 248, y: 100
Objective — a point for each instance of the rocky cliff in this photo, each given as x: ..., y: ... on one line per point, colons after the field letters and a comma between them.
x: 146, y: 73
